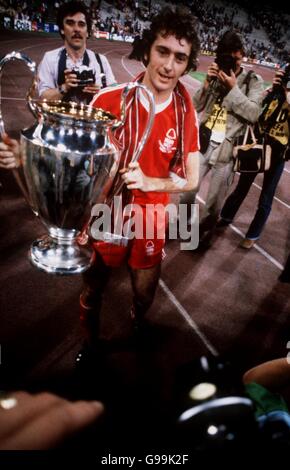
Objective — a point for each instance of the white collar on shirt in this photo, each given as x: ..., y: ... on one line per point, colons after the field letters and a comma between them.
x: 159, y: 107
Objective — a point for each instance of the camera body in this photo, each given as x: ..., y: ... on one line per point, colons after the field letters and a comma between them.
x: 226, y: 63
x: 278, y: 89
x: 85, y: 75
x: 286, y: 77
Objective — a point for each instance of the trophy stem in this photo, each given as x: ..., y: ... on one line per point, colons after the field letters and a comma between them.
x: 54, y: 255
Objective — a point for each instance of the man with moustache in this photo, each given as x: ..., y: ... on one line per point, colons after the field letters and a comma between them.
x: 59, y: 68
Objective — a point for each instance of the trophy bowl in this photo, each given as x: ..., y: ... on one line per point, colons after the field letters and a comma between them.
x: 68, y: 159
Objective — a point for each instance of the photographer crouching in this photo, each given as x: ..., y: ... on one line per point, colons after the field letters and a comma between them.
x: 228, y: 99
x: 73, y: 72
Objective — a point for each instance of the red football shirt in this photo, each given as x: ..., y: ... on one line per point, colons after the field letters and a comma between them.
x: 162, y: 143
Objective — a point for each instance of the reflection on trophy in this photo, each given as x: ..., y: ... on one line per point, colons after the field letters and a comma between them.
x: 68, y: 161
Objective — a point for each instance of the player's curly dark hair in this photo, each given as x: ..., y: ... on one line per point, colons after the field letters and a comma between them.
x: 71, y: 8
x: 176, y: 21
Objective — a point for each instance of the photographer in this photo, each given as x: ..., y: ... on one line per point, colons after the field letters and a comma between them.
x: 274, y: 123
x: 228, y: 98
x: 72, y: 72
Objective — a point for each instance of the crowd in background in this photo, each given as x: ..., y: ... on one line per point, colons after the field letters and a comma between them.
x: 30, y: 11
x: 264, y: 31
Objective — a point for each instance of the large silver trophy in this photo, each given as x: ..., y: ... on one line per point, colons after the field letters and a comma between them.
x: 68, y: 161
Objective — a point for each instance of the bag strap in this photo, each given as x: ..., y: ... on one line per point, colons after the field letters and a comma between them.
x: 252, y: 133
x: 247, y: 80
x: 103, y: 75
x: 246, y: 134
x: 250, y: 129
x: 61, y: 67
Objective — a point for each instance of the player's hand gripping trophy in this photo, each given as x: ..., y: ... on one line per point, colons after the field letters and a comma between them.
x: 68, y: 160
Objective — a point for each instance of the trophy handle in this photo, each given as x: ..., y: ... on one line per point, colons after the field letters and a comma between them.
x: 151, y: 114
x: 32, y: 66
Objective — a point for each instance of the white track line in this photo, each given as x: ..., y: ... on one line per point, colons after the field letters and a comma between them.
x: 13, y: 99
x: 257, y: 247
x: 276, y: 198
x: 261, y: 250
x: 126, y: 68
x: 188, y: 318
x: 35, y: 45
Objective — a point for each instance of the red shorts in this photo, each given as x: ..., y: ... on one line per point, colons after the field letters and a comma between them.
x: 139, y: 253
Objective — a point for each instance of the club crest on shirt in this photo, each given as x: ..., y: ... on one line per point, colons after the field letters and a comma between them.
x: 169, y: 142
x: 149, y: 248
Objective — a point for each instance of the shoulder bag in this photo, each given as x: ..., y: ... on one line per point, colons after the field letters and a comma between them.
x: 252, y: 157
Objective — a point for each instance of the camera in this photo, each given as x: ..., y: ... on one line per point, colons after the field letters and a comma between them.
x: 85, y: 75
x: 226, y: 63
x: 278, y: 89
x: 286, y: 77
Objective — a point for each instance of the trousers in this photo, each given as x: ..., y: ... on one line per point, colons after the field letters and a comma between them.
x: 270, y: 181
x: 220, y: 180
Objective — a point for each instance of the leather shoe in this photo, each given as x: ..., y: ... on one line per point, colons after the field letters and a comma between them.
x: 247, y: 243
x: 284, y: 277
x: 221, y: 223
x: 205, y: 241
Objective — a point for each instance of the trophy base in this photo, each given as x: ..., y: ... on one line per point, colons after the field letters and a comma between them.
x: 58, y: 258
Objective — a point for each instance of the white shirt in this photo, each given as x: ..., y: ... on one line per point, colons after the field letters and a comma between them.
x: 48, y: 69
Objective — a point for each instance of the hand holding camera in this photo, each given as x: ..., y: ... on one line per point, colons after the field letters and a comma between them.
x: 223, y: 69
x: 282, y: 77
x: 85, y: 76
x: 227, y: 65
x: 212, y: 72
x: 82, y: 79
x: 70, y: 81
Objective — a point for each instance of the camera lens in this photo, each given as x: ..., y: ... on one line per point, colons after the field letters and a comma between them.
x: 226, y: 63
x: 286, y: 77
x: 85, y: 76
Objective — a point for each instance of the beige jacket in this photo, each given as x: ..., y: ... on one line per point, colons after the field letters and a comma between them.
x: 241, y: 109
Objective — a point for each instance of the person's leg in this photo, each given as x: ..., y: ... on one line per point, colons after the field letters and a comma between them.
x: 144, y: 284
x: 188, y: 198
x: 236, y: 198
x: 285, y: 275
x: 221, y: 178
x: 270, y: 182
x: 95, y: 280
